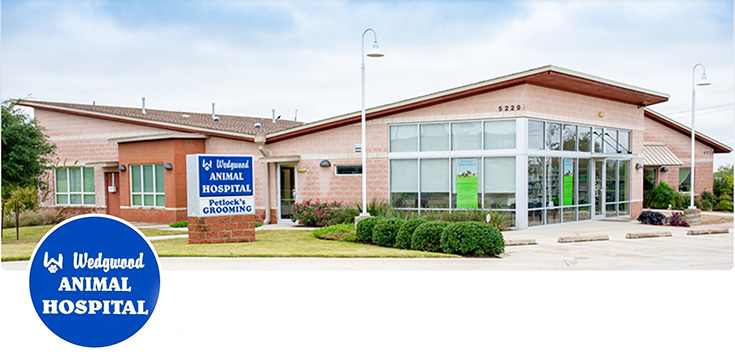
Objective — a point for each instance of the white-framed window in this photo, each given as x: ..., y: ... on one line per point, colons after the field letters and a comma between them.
x: 147, y: 185
x: 75, y: 186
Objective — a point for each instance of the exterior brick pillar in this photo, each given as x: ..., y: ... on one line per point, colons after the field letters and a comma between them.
x: 221, y: 229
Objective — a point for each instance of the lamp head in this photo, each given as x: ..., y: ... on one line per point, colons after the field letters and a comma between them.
x: 703, y: 81
x: 375, y: 50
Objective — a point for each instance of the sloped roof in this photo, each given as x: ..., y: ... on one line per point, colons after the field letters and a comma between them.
x: 242, y: 127
x: 718, y: 147
x: 547, y: 76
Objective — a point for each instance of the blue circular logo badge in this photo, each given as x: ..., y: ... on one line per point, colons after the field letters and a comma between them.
x: 94, y: 280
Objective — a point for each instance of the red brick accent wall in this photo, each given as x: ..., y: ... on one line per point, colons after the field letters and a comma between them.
x: 172, y: 151
x: 221, y: 229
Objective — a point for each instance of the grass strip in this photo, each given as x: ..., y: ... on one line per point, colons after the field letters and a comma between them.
x: 269, y: 243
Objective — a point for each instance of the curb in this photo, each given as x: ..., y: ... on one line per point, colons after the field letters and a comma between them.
x: 640, y: 235
x: 516, y: 242
x: 572, y: 239
x: 707, y: 231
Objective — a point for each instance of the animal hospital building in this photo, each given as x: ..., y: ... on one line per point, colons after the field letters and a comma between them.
x: 547, y: 146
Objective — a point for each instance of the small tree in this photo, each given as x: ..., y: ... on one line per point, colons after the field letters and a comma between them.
x: 26, y: 150
x: 723, y: 180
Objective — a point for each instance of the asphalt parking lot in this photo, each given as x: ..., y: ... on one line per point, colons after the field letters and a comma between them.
x: 678, y: 251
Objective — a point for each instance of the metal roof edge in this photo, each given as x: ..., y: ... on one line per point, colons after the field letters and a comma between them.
x: 667, y: 121
x: 138, y: 121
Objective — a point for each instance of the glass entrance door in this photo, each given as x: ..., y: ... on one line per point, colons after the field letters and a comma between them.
x: 599, y: 189
x: 286, y: 192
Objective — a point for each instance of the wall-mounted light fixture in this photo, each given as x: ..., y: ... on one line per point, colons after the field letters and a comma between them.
x: 638, y: 166
x: 121, y: 168
x: 168, y: 166
x: 325, y: 163
x: 664, y: 169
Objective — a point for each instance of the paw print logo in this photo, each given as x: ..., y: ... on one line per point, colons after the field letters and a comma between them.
x: 53, y: 265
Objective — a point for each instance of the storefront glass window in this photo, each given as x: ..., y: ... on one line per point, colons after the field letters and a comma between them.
x: 583, y: 181
x: 467, y: 183
x: 611, y: 174
x: 553, y: 136
x: 585, y: 133
x: 535, y: 135
x: 535, y: 182
x: 403, y: 184
x: 597, y: 139
x: 500, y: 134
x: 623, y: 180
x: 611, y: 141
x: 404, y: 138
x: 570, y: 137
x: 467, y: 135
x: 500, y: 183
x: 624, y: 142
x: 435, y: 183
x: 435, y: 137
x: 552, y: 181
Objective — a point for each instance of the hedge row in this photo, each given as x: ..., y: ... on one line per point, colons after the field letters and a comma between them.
x: 462, y: 238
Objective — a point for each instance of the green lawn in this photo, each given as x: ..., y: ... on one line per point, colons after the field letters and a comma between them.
x: 269, y: 243
x: 30, y: 236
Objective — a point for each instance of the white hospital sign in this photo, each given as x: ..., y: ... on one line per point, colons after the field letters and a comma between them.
x: 219, y: 185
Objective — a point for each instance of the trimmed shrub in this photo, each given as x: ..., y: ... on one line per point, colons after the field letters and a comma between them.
x: 180, y: 224
x: 705, y: 205
x: 661, y: 196
x: 315, y: 213
x: 462, y: 215
x: 364, y: 229
x: 472, y: 238
x: 405, y: 232
x: 427, y: 236
x: 708, y: 196
x: 339, y: 232
x: 651, y: 218
x: 724, y: 205
x: 680, y: 201
x: 385, y: 231
x: 678, y: 220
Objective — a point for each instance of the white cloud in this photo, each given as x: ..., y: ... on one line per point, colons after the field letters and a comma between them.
x: 250, y: 57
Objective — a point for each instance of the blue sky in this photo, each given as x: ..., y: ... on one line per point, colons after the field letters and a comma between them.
x: 251, y: 56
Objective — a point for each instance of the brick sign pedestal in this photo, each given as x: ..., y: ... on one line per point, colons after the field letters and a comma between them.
x: 221, y: 229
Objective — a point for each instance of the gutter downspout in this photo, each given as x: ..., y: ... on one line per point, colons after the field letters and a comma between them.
x: 260, y: 141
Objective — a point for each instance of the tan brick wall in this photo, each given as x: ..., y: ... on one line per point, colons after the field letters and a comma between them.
x: 81, y: 140
x: 681, y: 146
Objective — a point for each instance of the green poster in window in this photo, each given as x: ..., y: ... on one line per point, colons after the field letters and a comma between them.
x: 568, y: 182
x: 467, y: 183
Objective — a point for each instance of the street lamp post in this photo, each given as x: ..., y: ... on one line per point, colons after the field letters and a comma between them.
x: 702, y: 82
x: 374, y: 52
